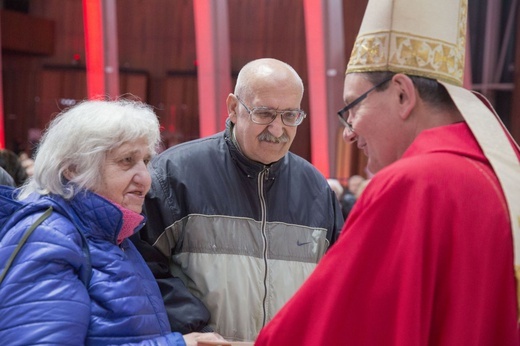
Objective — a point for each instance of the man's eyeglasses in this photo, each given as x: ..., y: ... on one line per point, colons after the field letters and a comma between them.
x: 343, y: 113
x: 265, y: 115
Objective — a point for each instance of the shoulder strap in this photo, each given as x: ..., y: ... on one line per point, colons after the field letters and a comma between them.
x: 23, y: 240
x: 86, y: 271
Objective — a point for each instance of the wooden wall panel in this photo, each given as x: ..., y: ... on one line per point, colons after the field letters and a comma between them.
x: 180, y: 117
x: 37, y: 36
x: 68, y: 23
x: 20, y: 80
x: 59, y: 89
x: 269, y: 28
x: 134, y: 84
x: 274, y: 29
x: 158, y: 37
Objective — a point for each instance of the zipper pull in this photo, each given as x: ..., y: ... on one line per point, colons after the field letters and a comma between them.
x: 266, y: 173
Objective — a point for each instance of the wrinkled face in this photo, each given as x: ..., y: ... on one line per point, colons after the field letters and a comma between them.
x: 373, y: 120
x: 264, y: 143
x: 125, y: 176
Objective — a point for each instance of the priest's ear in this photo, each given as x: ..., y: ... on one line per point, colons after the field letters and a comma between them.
x: 406, y: 93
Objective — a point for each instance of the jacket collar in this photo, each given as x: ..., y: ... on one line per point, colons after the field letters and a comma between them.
x: 101, y: 217
x: 447, y: 139
x: 249, y: 167
x: 94, y: 215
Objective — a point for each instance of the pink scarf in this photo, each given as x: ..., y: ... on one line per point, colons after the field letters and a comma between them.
x: 131, y: 220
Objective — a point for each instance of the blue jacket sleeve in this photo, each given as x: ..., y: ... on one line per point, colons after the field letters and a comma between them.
x: 42, y: 299
x: 186, y: 313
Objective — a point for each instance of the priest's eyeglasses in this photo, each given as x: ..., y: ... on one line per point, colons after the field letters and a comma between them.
x: 265, y: 115
x: 343, y: 113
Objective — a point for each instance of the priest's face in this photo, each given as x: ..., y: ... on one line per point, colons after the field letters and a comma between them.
x: 374, y: 120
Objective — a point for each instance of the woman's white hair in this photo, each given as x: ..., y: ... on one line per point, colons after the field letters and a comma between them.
x: 80, y: 137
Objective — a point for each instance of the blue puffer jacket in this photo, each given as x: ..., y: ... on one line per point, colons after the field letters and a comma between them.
x: 43, y: 300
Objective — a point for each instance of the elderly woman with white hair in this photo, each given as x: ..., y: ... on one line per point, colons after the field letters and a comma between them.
x: 77, y: 279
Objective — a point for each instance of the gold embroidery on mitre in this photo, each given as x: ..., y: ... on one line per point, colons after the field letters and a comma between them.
x: 370, y: 51
x: 409, y: 54
x: 412, y: 54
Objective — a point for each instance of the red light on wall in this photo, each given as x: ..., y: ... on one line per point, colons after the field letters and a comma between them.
x: 94, y: 54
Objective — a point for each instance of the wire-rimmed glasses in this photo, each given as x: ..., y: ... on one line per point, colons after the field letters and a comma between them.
x: 266, y: 115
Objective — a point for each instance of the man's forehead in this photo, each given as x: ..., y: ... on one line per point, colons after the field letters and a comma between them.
x: 354, y: 79
x: 354, y: 82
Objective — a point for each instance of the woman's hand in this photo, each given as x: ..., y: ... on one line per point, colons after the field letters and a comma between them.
x: 191, y: 339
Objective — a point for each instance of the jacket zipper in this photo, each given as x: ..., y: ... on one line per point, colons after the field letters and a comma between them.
x: 262, y: 177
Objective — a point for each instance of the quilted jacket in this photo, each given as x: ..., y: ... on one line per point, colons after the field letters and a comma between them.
x: 43, y: 300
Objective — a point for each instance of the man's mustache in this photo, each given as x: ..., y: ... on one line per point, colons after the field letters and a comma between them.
x: 266, y: 136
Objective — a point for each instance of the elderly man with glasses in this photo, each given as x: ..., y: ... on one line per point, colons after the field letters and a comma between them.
x: 236, y: 216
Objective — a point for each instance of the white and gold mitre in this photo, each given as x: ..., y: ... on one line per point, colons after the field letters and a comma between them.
x: 416, y: 37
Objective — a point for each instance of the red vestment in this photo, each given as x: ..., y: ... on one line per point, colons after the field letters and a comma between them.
x: 425, y: 258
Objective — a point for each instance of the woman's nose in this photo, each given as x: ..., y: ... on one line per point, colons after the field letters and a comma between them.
x: 142, y: 175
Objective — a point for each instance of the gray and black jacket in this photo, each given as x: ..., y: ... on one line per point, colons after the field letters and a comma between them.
x: 242, y: 236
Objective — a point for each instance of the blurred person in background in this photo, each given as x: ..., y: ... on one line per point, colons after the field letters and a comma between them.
x: 5, y: 178
x: 349, y: 197
x: 12, y: 164
x: 27, y: 163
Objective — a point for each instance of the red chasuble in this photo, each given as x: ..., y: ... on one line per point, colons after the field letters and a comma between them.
x: 425, y: 258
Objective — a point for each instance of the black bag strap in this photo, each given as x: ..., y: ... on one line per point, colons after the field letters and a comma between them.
x: 86, y: 272
x: 23, y: 240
